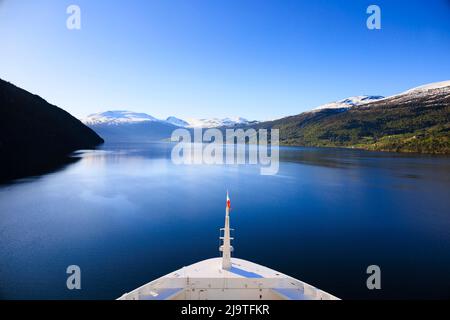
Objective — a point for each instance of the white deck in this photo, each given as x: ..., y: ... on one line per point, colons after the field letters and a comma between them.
x: 245, y: 280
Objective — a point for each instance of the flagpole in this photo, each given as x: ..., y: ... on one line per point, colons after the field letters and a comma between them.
x: 226, y: 246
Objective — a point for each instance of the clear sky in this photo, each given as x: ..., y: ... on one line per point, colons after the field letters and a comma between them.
x: 260, y: 59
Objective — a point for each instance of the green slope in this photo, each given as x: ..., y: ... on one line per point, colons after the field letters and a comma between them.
x: 405, y: 123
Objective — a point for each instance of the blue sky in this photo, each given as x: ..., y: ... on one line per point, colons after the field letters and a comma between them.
x: 258, y: 59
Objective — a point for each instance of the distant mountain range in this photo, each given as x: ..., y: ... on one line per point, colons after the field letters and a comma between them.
x: 118, y: 117
x: 128, y: 126
x: 177, y: 122
x: 36, y: 136
x: 217, y: 122
x: 417, y: 120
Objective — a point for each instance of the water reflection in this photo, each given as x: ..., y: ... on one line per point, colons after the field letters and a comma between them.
x: 126, y: 214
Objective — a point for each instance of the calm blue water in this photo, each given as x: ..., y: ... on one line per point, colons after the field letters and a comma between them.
x: 126, y: 215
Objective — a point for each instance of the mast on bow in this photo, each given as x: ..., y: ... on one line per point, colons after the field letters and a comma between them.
x: 226, y: 247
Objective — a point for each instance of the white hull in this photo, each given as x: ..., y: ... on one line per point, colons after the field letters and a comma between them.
x: 207, y: 280
x: 227, y: 278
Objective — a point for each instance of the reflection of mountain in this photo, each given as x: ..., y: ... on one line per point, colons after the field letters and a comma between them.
x: 36, y: 136
x: 417, y: 120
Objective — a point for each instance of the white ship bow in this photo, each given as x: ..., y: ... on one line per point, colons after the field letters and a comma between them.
x: 226, y: 278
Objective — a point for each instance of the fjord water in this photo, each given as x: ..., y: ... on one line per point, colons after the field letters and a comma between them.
x: 126, y: 215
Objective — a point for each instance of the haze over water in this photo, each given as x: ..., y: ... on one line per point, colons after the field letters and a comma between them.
x: 127, y: 215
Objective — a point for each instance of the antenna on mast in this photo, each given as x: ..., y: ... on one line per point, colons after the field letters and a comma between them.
x: 226, y: 247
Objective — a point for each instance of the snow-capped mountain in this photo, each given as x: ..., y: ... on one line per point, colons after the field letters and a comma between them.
x: 435, y: 88
x: 349, y: 102
x: 117, y: 117
x: 361, y: 100
x: 413, y: 121
x: 131, y: 126
x: 126, y: 126
x: 177, y: 122
x: 430, y: 86
x: 216, y: 122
